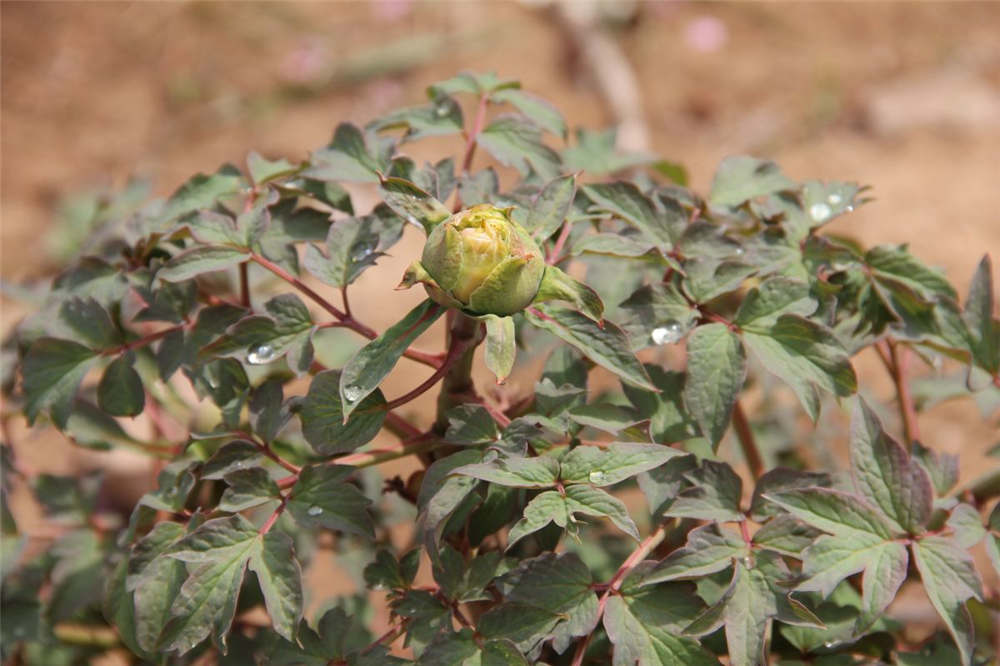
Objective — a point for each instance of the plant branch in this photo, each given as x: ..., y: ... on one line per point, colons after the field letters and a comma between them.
x: 143, y: 341
x: 245, y: 285
x: 344, y: 319
x: 900, y: 360
x: 470, y: 142
x: 747, y: 441
x: 400, y: 427
x: 638, y: 555
x: 556, y: 249
x: 456, y: 350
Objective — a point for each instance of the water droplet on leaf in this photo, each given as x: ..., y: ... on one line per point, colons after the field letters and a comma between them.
x: 442, y: 109
x: 314, y: 510
x: 834, y: 199
x: 738, y: 252
x: 261, y: 354
x: 829, y: 644
x: 819, y: 211
x: 352, y: 393
x: 362, y: 249
x: 597, y: 476
x: 667, y: 334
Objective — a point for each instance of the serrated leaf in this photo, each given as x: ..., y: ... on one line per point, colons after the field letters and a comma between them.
x: 885, y: 473
x: 202, y: 191
x: 248, y: 488
x: 206, y: 602
x: 412, y: 203
x: 501, y: 346
x: 950, y: 579
x: 595, y: 152
x: 644, y: 632
x: 322, y: 416
x: 517, y: 472
x: 778, y: 479
x: 607, y: 346
x: 612, y: 463
x: 834, y: 511
x: 549, y: 598
x: 280, y: 578
x: 624, y: 200
x: 741, y: 178
x: 322, y: 497
x: 262, y: 169
x: 551, y: 506
x: 550, y: 207
x: 471, y: 424
x: 516, y: 141
x: 120, y: 391
x: 351, y: 156
x: 443, y: 116
x: 715, y: 494
x: 772, y: 298
x: 806, y: 356
x: 351, y: 247
x: 716, y: 371
x: 541, y: 112
x: 201, y: 259
x: 368, y: 368
x: 52, y: 371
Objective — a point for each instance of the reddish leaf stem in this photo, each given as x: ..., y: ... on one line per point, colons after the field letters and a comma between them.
x: 266, y: 527
x: 747, y: 441
x: 644, y: 548
x: 470, y: 141
x: 900, y: 363
x: 344, y: 319
x: 453, y: 355
x: 143, y: 341
x: 245, y: 285
x: 556, y: 250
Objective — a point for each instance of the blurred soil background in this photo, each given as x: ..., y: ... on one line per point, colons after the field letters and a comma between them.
x: 901, y: 96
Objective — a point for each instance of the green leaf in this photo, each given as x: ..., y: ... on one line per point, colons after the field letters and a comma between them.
x: 120, y: 392
x: 715, y: 494
x: 267, y: 416
x: 262, y: 170
x: 558, y: 286
x: 202, y: 191
x: 786, y: 534
x: 777, y: 480
x: 280, y: 578
x: 322, y: 417
x: 517, y: 142
x: 613, y: 244
x: 657, y: 314
x: 52, y: 371
x: 885, y: 473
x: 716, y: 371
x: 834, y: 511
x: 248, y: 488
x: 286, y: 330
x: 662, y: 484
x: 201, y: 259
x: 387, y: 573
x: 979, y: 316
x: 612, y: 463
x: 351, y: 156
x: 742, y: 178
x: 153, y: 581
x: 549, y: 598
x: 443, y: 116
x: 950, y: 579
x: 412, y: 203
x: 772, y: 298
x: 550, y: 207
x: 206, y: 603
x: 471, y: 424
x: 806, y: 356
x: 90, y: 323
x: 898, y: 264
x: 368, y: 368
x: 501, y: 346
x: 644, y: 629
x: 323, y: 497
x: 595, y: 153
x: 541, y: 112
x: 627, y: 202
x: 607, y: 346
x: 708, y: 277
x: 237, y: 455
x: 613, y: 419
x: 551, y: 506
x: 442, y: 493
x: 351, y: 248
x: 540, y: 472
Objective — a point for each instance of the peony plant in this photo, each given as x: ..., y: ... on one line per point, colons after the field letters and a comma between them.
x: 648, y: 482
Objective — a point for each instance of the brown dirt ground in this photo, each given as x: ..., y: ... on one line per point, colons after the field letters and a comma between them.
x: 899, y: 96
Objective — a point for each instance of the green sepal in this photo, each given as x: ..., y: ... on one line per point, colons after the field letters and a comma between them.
x: 501, y: 346
x: 558, y: 286
x: 417, y: 274
x: 509, y: 277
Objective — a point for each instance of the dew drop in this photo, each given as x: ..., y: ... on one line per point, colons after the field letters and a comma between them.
x: 362, y: 250
x: 314, y: 510
x: 261, y: 354
x: 819, y: 211
x: 849, y: 208
x: 667, y: 334
x: 353, y: 392
x: 747, y: 562
x: 834, y: 199
x: 597, y: 476
x: 739, y: 252
x: 829, y: 644
x: 442, y: 110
